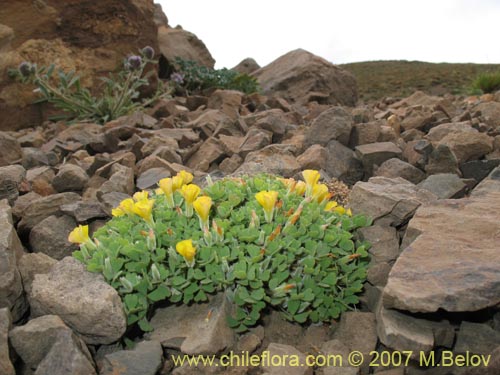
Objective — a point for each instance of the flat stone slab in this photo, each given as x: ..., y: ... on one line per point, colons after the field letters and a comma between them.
x: 451, y: 258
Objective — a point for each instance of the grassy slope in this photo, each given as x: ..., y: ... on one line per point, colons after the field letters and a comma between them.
x: 379, y: 79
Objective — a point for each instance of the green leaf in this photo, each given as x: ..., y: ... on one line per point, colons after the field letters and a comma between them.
x: 159, y: 294
x: 145, y: 326
x: 293, y: 306
x: 301, y: 318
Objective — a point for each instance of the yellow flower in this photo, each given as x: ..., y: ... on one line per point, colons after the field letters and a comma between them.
x: 144, y: 208
x: 190, y: 192
x: 159, y: 191
x: 186, y: 249
x: 348, y: 212
x: 300, y: 187
x: 331, y: 205
x: 186, y: 177
x: 319, y: 192
x: 340, y: 210
x: 141, y: 195
x: 177, y: 182
x: 202, y: 207
x: 116, y: 212
x: 127, y: 205
x: 79, y: 235
x: 311, y: 177
x: 267, y: 199
x: 166, y: 185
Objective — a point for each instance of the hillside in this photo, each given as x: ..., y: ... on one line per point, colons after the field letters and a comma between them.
x: 378, y: 79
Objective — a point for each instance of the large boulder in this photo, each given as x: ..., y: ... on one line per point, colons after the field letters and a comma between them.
x: 86, y: 36
x: 176, y: 42
x: 83, y: 300
x: 450, y: 258
x: 300, y: 77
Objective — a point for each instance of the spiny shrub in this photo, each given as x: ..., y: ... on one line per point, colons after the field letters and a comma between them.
x: 264, y: 240
x: 196, y: 78
x: 119, y: 97
x: 487, y: 82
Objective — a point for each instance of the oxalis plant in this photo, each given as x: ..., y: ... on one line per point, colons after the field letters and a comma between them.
x: 264, y: 240
x: 119, y: 94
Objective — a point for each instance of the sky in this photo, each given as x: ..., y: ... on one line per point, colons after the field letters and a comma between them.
x: 343, y: 31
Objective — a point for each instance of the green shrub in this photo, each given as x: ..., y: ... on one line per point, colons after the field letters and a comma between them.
x: 195, y: 78
x: 487, y: 82
x: 259, y: 239
x: 120, y: 93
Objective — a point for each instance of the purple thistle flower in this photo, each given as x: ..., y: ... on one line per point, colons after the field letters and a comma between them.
x: 25, y: 68
x: 148, y: 52
x: 134, y: 62
x: 177, y: 78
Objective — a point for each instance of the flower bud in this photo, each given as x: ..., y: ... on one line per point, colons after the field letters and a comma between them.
x: 134, y: 62
x: 148, y: 52
x: 25, y: 68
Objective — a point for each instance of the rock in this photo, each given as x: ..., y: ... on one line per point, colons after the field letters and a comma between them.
x: 449, y: 258
x: 468, y: 145
x: 417, y: 118
x: 490, y: 113
x: 229, y: 165
x: 418, y: 98
x: 34, y: 157
x: 43, y: 208
x: 254, y: 140
x: 176, y: 42
x: 476, y: 338
x: 144, y: 359
x: 337, y: 362
x: 84, y: 301
x: 393, y: 168
x: 228, y: 101
x: 444, y: 185
x: 187, y: 329
x: 153, y: 144
x: 478, y: 169
x: 23, y: 202
x: 246, y: 66
x: 41, y: 180
x: 384, y: 242
x: 11, y: 251
x: 391, y: 201
x: 209, y: 152
x: 121, y: 181
x: 281, y: 331
x: 12, y: 177
x: 248, y: 342
x: 300, y: 76
x: 342, y: 163
x: 366, y: 132
x: 376, y: 153
x: 149, y: 179
x: 358, y: 331
x: 90, y: 44
x: 50, y: 237
x: 437, y: 133
x: 333, y: 124
x: 442, y: 160
x: 273, y: 120
x: 111, y: 200
x: 230, y: 144
x: 315, y: 157
x: 6, y: 367
x: 378, y: 273
x: 489, y: 184
x: 32, y: 264
x: 84, y: 211
x: 290, y: 361
x: 10, y: 150
x: 273, y: 159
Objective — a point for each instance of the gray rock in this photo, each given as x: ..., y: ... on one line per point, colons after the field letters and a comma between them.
x: 388, y: 201
x: 288, y: 356
x: 384, y: 242
x: 11, y: 178
x: 111, y: 200
x: 23, y: 202
x: 144, y: 359
x: 11, y: 250
x: 447, y: 264
x: 272, y: 120
x: 43, y: 208
x: 32, y: 264
x: 281, y: 331
x: 437, y: 133
x: 337, y: 353
x: 315, y: 157
x: 273, y: 159
x: 187, y: 329
x: 333, y: 124
x: 34, y: 157
x: 84, y: 301
x: 248, y: 342
x: 489, y: 184
x: 10, y: 150
x: 441, y: 160
x: 150, y: 178
x: 364, y: 133
x: 378, y: 273
x: 444, y: 185
x: 6, y: 367
x: 476, y: 338
x: 493, y: 367
x: 254, y: 140
x: 395, y: 167
x: 342, y: 163
x: 121, y: 181
x: 374, y: 154
x: 479, y: 169
x: 70, y: 178
x: 50, y: 236
x: 84, y: 211
x: 468, y: 145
